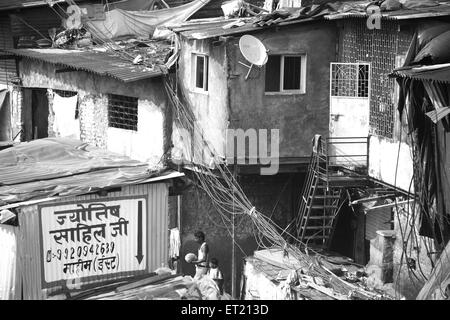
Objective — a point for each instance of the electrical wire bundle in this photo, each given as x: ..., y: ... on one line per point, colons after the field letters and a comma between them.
x: 229, y: 199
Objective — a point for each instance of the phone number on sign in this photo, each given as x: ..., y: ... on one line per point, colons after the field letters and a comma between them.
x: 80, y: 251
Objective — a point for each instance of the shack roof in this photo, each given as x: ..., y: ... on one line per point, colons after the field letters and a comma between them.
x: 327, y: 11
x: 103, y: 63
x: 57, y: 167
x: 437, y: 72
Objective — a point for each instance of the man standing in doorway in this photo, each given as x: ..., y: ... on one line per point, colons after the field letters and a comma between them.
x: 202, y: 262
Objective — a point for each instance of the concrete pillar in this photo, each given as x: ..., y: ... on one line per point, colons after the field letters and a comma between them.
x: 382, y: 255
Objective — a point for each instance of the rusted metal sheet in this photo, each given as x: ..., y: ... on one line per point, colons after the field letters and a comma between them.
x: 89, y: 239
x: 100, y: 63
x: 154, y: 250
x: 9, y: 279
x: 7, y: 66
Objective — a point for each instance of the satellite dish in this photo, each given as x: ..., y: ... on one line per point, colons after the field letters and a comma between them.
x: 254, y: 51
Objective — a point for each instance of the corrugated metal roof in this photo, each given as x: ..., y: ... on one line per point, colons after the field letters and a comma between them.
x: 404, y: 14
x: 61, y: 167
x: 327, y: 11
x: 215, y: 29
x: 15, y: 4
x: 438, y: 72
x: 101, y: 63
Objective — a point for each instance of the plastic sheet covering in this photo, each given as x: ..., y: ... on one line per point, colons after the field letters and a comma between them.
x: 8, y: 260
x: 132, y: 5
x: 436, y: 51
x: 121, y: 23
x: 61, y: 166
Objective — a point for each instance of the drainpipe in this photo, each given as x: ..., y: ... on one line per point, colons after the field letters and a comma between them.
x: 233, y: 248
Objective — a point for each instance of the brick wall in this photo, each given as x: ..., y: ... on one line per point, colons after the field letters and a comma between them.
x: 380, y: 47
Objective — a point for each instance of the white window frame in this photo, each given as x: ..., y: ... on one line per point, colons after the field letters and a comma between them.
x: 302, y: 89
x: 205, y: 72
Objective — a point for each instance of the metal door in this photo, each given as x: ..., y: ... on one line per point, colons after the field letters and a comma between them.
x: 349, y: 113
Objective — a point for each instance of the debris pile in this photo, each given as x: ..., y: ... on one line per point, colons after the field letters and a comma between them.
x: 162, y: 284
x: 346, y: 280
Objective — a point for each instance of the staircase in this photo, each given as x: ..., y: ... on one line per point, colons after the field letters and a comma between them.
x: 322, y: 195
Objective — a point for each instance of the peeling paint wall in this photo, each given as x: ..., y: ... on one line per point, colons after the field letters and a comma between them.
x: 146, y: 144
x: 210, y: 107
x: 298, y: 116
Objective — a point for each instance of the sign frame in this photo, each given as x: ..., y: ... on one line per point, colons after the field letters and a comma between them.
x: 93, y: 278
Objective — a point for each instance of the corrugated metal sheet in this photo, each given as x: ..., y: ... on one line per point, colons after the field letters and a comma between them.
x: 440, y: 73
x: 7, y: 66
x: 17, y: 4
x: 64, y: 167
x: 29, y: 23
x: 9, y: 279
x: 157, y: 242
x: 100, y: 63
x: 404, y: 14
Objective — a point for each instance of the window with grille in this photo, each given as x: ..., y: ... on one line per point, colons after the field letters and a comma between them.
x: 286, y: 73
x: 122, y: 112
x: 350, y: 80
x: 200, y: 63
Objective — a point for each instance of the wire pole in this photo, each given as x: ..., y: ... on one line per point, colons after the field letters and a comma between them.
x: 233, y: 257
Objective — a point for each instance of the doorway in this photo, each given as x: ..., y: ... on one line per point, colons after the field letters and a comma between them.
x: 35, y: 113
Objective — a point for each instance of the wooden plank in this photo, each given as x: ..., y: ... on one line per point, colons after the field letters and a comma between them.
x: 145, y: 282
x: 439, y: 279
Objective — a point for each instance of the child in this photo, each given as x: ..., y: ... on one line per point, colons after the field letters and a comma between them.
x: 215, y: 274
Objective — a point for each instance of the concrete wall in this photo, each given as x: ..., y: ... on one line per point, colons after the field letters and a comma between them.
x: 151, y: 139
x: 385, y: 50
x: 409, y: 257
x: 275, y: 196
x: 298, y: 116
x: 391, y: 161
x: 233, y: 102
x: 209, y: 108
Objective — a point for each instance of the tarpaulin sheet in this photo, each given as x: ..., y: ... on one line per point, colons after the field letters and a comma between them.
x: 55, y: 166
x: 121, y: 23
x: 132, y: 5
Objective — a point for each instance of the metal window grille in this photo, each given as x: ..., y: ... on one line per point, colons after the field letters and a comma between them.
x: 122, y: 112
x: 65, y: 93
x: 380, y: 47
x: 350, y: 80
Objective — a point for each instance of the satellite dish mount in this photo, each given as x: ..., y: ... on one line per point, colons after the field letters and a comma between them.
x: 254, y: 51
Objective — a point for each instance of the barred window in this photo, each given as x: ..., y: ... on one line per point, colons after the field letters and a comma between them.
x: 350, y: 80
x: 122, y: 112
x: 65, y: 93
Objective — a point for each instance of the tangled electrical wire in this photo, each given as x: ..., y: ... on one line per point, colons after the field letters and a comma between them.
x: 227, y: 196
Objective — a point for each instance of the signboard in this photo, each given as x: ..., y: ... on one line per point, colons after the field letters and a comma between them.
x: 88, y: 239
